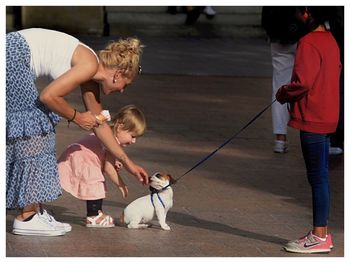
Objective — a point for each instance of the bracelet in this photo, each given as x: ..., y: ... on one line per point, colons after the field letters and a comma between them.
x: 72, y: 119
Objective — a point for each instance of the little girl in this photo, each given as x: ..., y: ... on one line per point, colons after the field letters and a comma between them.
x: 313, y: 95
x: 83, y: 164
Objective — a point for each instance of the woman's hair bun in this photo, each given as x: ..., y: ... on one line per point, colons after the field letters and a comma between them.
x: 124, y: 55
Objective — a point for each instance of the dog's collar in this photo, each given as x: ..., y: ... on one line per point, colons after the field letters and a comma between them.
x: 165, y: 187
x: 153, y: 190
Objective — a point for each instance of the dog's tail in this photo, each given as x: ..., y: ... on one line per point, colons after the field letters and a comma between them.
x: 121, y: 219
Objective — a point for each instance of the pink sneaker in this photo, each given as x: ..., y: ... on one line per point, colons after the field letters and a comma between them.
x: 330, y: 241
x: 310, y: 244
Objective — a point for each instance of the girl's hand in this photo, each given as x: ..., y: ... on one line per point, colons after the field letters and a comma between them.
x: 279, y: 96
x: 118, y: 165
x: 124, y: 190
x: 86, y: 120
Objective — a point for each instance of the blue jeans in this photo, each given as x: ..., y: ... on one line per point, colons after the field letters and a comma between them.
x: 315, y: 152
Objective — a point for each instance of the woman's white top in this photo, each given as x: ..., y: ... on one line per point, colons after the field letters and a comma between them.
x: 51, y: 51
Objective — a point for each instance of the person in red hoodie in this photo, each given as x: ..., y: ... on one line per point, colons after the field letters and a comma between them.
x: 313, y: 97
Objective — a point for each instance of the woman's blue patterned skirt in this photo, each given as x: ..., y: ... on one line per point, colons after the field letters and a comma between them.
x: 31, y: 166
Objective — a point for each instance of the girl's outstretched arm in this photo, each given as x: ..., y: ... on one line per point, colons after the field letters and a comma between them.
x: 91, y: 97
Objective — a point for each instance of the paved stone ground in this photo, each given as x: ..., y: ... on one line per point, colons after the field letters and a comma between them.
x: 246, y: 201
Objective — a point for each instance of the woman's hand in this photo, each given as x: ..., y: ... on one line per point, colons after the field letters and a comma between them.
x: 139, y: 173
x: 86, y: 120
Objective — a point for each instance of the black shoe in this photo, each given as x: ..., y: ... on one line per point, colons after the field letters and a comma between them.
x: 193, y: 15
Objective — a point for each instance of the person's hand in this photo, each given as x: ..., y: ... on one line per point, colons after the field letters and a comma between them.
x: 118, y: 165
x: 279, y: 96
x: 124, y: 190
x: 86, y: 120
x: 139, y: 173
x: 103, y: 117
x: 136, y: 170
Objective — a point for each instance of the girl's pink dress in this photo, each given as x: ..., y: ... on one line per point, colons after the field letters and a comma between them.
x: 80, y: 169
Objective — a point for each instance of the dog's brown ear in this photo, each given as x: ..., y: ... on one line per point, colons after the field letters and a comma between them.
x: 171, y: 179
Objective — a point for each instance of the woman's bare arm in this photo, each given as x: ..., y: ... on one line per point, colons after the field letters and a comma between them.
x: 53, y: 95
x: 91, y: 97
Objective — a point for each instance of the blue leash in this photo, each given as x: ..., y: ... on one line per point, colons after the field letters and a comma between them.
x: 227, y: 141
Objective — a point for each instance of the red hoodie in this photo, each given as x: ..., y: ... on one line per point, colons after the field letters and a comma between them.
x: 313, y: 93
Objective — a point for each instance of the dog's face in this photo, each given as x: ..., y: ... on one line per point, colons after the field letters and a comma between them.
x: 160, y: 180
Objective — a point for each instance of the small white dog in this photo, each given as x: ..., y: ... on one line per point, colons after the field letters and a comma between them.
x: 139, y: 212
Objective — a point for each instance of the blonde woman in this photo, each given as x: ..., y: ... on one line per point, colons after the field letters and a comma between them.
x: 31, y: 168
x: 87, y: 182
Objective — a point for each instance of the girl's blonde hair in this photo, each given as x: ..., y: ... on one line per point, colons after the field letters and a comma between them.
x: 123, y: 55
x: 132, y: 119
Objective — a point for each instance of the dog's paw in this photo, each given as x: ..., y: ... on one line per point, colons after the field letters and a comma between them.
x: 165, y: 227
x: 137, y: 226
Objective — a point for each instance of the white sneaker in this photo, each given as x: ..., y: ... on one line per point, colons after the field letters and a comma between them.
x: 39, y: 225
x: 280, y: 146
x: 64, y: 226
x: 209, y: 12
x: 335, y: 150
